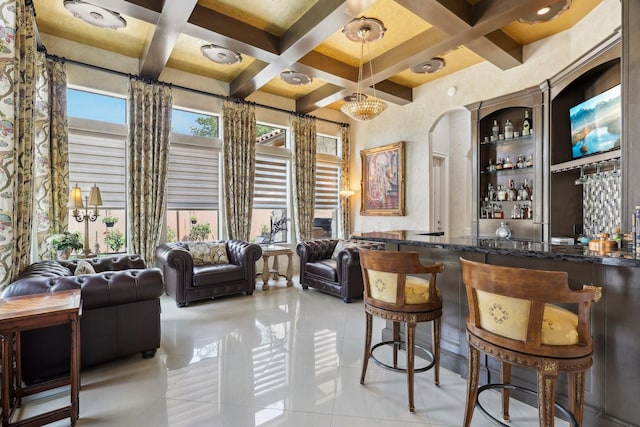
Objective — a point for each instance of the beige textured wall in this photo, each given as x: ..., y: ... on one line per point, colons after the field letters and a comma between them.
x: 414, y: 123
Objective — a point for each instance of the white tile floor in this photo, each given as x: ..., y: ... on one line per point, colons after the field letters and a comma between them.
x: 282, y: 357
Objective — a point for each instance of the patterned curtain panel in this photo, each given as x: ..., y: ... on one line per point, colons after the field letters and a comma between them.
x: 18, y: 60
x: 345, y: 184
x: 148, y: 147
x: 304, y: 174
x: 51, y: 153
x: 239, y: 167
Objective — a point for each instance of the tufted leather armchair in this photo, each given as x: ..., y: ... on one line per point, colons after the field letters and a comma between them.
x: 120, y: 313
x: 186, y: 282
x: 341, y: 277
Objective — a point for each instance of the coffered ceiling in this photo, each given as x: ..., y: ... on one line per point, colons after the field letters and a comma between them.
x: 306, y: 36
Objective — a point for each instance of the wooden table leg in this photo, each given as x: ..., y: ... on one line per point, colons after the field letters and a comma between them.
x: 265, y: 272
x: 276, y: 268
x: 289, y: 269
x: 7, y: 376
x: 75, y: 370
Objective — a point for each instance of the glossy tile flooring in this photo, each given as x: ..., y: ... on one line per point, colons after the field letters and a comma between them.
x: 282, y: 357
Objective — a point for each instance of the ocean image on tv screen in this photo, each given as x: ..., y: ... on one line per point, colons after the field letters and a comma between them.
x: 595, y: 124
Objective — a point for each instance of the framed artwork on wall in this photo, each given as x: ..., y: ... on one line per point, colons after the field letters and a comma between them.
x: 383, y: 180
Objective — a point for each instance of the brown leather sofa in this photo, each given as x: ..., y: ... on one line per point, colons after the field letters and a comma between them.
x: 340, y: 276
x: 186, y: 282
x: 120, y: 313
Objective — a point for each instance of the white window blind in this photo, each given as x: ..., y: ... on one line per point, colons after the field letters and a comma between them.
x: 327, y: 185
x: 192, y: 181
x: 101, y: 159
x: 270, y: 187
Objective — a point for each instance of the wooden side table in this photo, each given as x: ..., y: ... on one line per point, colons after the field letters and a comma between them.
x: 22, y: 313
x: 274, y: 271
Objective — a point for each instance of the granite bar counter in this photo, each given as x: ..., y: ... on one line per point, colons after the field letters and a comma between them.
x: 614, y: 377
x: 496, y: 246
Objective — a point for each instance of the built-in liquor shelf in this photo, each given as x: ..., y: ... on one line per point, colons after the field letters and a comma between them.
x: 513, y: 140
x: 509, y: 171
x: 508, y: 132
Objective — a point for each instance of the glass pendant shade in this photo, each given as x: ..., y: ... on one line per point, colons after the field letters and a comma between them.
x: 363, y: 107
x: 359, y: 106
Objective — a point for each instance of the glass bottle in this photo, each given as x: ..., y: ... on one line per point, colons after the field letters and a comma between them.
x: 512, y: 193
x: 523, y: 194
x: 491, y: 193
x: 508, y: 129
x: 498, y: 213
x: 502, y: 194
x: 495, y: 130
x: 516, y: 212
x: 526, y: 124
x: 529, y: 162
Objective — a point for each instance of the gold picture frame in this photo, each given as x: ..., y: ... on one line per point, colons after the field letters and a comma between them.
x: 383, y: 180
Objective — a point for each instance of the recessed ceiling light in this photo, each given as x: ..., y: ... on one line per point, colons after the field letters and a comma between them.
x: 95, y: 15
x: 221, y: 55
x: 295, y: 78
x: 428, y: 67
x: 546, y: 13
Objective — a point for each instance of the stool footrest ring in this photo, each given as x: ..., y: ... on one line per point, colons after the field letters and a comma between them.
x: 494, y: 420
x: 428, y: 352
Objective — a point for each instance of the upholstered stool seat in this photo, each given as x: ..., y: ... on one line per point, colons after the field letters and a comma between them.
x: 512, y: 317
x: 392, y: 292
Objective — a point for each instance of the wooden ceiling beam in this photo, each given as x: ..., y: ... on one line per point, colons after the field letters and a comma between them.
x: 478, y: 26
x: 157, y: 50
x: 214, y: 27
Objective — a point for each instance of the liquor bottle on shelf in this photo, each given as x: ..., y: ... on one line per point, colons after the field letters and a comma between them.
x: 526, y: 124
x: 508, y: 129
x: 495, y: 131
x: 529, y: 162
x: 512, y: 193
x: 523, y: 193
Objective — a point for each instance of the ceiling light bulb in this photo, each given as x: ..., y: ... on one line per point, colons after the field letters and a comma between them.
x: 543, y: 11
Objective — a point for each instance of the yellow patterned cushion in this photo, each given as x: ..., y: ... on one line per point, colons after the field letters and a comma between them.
x: 384, y: 288
x: 508, y: 317
x: 204, y: 253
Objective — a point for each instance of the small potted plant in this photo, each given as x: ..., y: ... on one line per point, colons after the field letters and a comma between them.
x: 200, y: 231
x: 109, y: 221
x: 114, y: 239
x: 194, y: 220
x: 64, y: 243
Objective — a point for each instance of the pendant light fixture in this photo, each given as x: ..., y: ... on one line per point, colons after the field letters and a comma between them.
x: 359, y: 106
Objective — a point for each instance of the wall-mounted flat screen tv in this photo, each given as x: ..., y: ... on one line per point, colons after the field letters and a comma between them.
x: 596, y: 126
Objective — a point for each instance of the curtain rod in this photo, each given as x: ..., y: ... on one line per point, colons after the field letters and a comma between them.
x: 201, y: 92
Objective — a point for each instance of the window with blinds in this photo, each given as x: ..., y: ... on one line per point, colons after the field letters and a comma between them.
x: 193, y: 177
x: 327, y: 185
x: 99, y: 158
x: 270, y: 186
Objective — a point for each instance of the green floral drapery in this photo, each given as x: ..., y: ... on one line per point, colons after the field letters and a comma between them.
x: 345, y: 184
x: 18, y: 76
x: 150, y: 107
x: 304, y: 174
x: 239, y: 166
x: 51, y: 153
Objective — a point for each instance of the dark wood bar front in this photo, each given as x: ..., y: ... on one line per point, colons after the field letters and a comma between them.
x: 614, y: 379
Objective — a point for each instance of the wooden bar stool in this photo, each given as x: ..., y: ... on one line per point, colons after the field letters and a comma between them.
x: 513, y: 319
x: 390, y: 292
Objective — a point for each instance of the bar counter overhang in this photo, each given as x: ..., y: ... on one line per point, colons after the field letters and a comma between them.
x: 614, y: 377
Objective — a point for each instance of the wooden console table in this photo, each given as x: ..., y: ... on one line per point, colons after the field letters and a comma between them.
x: 22, y: 313
x: 274, y: 271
